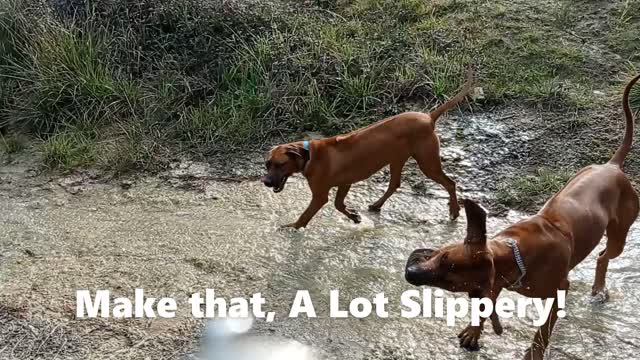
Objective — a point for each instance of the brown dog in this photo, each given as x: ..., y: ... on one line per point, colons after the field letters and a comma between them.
x: 534, y: 256
x: 345, y: 159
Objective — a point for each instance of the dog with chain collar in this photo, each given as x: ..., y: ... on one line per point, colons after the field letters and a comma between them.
x: 535, y: 255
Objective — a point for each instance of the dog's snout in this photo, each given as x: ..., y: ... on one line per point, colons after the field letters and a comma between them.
x: 411, y: 274
x: 267, y: 181
x: 418, y: 271
x: 412, y: 269
x: 420, y: 275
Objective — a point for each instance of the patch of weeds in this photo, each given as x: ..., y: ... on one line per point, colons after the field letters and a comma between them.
x: 515, y: 59
x: 212, y: 77
x: 576, y: 122
x: 119, y: 156
x: 402, y: 11
x: 66, y: 77
x: 67, y: 150
x: 565, y: 15
x: 315, y: 109
x: 239, y: 112
x: 625, y: 29
x: 526, y: 191
x: 12, y: 143
x: 443, y: 70
x: 634, y: 95
x: 131, y: 147
x: 634, y: 98
x: 405, y: 74
x: 358, y: 92
x: 229, y: 124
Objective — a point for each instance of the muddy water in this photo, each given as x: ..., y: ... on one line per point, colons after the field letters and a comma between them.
x: 173, y: 242
x: 79, y: 233
x: 362, y: 260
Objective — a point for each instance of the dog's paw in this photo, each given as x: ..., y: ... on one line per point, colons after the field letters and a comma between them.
x: 599, y: 296
x: 454, y: 212
x: 354, y: 216
x: 374, y: 208
x: 289, y: 226
x: 469, y: 338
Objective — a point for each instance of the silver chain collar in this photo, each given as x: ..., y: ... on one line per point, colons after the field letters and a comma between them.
x: 520, y: 262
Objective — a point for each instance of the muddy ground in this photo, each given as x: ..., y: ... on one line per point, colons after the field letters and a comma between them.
x: 197, y: 226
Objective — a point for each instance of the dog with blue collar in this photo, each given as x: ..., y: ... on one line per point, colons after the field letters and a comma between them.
x: 343, y: 160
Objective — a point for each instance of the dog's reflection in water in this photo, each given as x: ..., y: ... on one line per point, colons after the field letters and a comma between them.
x: 228, y: 339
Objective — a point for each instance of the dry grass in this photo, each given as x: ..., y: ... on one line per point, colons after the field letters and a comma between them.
x: 24, y: 338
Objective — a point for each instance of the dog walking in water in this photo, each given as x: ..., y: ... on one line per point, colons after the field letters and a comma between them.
x: 534, y: 256
x: 346, y: 159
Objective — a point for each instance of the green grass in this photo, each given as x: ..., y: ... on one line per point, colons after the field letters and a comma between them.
x: 634, y: 98
x: 12, y: 143
x: 530, y: 190
x: 69, y: 150
x: 137, y: 80
x: 634, y: 95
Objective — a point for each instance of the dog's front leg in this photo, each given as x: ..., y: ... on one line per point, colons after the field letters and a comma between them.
x: 340, y: 206
x: 317, y: 202
x: 541, y: 339
x: 471, y: 334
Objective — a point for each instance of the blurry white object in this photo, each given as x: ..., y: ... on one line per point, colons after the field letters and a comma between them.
x: 477, y: 93
x: 227, y: 339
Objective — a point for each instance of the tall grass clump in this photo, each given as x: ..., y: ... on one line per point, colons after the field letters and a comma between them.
x: 64, y: 82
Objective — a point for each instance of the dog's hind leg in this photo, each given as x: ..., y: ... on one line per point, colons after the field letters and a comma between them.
x: 339, y: 202
x: 616, y: 239
x: 395, y: 168
x: 428, y: 158
x: 617, y: 231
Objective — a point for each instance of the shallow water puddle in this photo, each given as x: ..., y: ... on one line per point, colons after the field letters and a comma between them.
x: 226, y: 236
x: 173, y: 243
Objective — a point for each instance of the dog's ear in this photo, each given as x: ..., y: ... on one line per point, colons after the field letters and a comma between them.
x: 476, y: 223
x: 297, y: 153
x: 294, y: 150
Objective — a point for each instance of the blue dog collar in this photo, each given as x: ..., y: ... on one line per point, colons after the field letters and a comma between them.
x: 305, y: 145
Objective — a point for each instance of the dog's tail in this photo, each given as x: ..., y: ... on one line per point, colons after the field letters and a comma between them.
x: 623, y: 150
x: 435, y: 114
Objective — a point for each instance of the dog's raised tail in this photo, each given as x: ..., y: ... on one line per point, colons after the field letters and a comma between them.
x: 623, y: 150
x: 466, y: 88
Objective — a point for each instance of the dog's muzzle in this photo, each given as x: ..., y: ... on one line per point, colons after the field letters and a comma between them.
x: 414, y: 273
x: 276, y: 184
